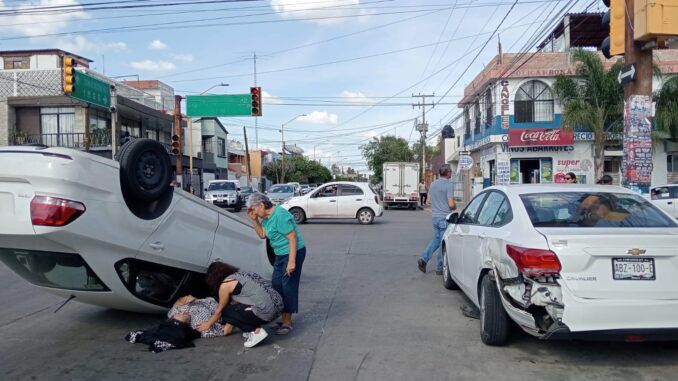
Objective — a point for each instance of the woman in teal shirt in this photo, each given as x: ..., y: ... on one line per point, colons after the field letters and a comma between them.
x: 277, y: 224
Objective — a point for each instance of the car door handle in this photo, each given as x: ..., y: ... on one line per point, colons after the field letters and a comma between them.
x: 670, y: 203
x: 157, y: 246
x: 358, y: 199
x: 333, y: 200
x: 482, y: 235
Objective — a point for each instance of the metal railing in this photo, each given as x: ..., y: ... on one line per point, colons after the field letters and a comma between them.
x: 98, y: 139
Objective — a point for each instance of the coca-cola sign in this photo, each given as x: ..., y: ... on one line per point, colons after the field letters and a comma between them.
x: 540, y: 137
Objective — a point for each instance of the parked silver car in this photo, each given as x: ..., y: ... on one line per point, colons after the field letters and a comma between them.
x: 280, y: 193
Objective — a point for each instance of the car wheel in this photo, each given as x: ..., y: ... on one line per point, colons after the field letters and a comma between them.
x: 299, y: 215
x: 385, y: 207
x: 494, y: 323
x: 448, y: 283
x: 145, y: 170
x: 365, y: 216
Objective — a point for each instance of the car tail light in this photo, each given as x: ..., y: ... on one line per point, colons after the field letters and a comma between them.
x: 388, y: 196
x: 53, y: 211
x: 376, y: 199
x: 534, y: 262
x: 414, y: 196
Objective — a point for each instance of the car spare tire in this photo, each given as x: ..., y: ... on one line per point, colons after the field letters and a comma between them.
x: 145, y: 170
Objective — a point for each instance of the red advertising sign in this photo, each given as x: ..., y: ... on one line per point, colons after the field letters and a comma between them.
x: 539, y: 137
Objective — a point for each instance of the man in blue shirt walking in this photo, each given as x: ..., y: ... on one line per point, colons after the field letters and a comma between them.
x: 441, y: 193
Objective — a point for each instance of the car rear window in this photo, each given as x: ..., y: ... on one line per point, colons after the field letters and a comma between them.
x: 597, y: 209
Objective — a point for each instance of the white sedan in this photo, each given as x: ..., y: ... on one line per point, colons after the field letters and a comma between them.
x: 566, y: 261
x: 113, y: 234
x: 341, y: 199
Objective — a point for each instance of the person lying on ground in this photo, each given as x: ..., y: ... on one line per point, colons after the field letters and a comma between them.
x: 200, y: 311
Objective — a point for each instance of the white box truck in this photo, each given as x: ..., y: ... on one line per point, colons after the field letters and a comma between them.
x: 401, y: 181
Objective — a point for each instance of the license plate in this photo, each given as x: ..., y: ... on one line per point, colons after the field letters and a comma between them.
x: 220, y: 199
x: 633, y: 269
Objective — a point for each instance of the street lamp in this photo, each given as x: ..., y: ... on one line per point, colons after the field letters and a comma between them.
x: 190, y: 133
x: 282, y: 138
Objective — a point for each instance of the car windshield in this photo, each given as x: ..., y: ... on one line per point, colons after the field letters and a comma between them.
x: 280, y: 189
x: 221, y: 186
x: 593, y: 209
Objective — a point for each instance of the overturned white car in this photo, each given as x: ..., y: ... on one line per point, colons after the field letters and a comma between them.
x: 566, y: 261
x: 112, y: 233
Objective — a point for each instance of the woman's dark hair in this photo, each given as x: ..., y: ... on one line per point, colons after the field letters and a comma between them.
x: 216, y: 273
x: 572, y: 175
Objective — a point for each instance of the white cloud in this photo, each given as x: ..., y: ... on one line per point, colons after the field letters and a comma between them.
x: 298, y: 10
x: 269, y: 99
x: 80, y: 44
x: 150, y: 65
x: 319, y: 117
x: 183, y: 57
x: 157, y: 45
x: 355, y: 97
x: 33, y: 25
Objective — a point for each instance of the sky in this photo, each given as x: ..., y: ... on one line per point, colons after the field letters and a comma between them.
x: 351, y: 66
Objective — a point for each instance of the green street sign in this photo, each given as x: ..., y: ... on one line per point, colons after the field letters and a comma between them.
x: 91, y: 90
x: 219, y: 105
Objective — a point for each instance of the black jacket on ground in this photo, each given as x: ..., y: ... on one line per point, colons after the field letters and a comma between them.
x: 170, y: 334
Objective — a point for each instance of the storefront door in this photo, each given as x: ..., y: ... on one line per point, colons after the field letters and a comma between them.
x: 531, y: 171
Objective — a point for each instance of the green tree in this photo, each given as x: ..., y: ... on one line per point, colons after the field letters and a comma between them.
x: 666, y: 114
x: 384, y: 149
x: 298, y: 169
x: 593, y: 101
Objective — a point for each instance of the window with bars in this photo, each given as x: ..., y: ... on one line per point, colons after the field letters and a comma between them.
x: 489, y: 108
x: 476, y: 115
x: 467, y: 122
x: 534, y: 103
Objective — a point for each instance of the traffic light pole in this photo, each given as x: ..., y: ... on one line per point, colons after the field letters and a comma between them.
x: 638, y: 151
x: 177, y: 131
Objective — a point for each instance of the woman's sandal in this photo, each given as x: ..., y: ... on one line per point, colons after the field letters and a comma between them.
x: 276, y: 325
x: 284, y: 329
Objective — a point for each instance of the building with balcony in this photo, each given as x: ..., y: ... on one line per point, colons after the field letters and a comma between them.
x: 510, y: 106
x: 34, y: 109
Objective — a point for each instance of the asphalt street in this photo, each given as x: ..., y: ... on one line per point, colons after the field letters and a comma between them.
x: 367, y: 313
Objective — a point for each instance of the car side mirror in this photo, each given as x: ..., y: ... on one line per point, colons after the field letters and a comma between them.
x: 452, y: 218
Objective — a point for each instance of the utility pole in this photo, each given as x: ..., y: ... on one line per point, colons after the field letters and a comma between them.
x: 423, y: 128
x: 637, y: 143
x: 114, y: 121
x: 256, y: 118
x: 177, y: 131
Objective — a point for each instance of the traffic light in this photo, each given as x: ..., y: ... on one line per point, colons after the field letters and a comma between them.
x: 176, y: 144
x: 68, y: 74
x: 255, y: 92
x: 615, y: 20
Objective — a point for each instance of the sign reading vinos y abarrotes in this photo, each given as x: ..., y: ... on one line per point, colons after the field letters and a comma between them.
x: 539, y: 137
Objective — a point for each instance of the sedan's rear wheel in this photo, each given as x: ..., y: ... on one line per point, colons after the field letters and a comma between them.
x: 298, y: 215
x: 365, y: 216
x: 448, y: 283
x: 494, y: 323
